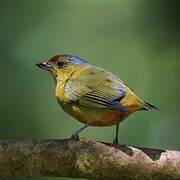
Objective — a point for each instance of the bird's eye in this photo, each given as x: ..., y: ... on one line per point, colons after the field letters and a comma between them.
x: 60, y: 63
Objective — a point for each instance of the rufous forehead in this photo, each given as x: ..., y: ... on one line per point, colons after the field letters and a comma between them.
x: 56, y: 58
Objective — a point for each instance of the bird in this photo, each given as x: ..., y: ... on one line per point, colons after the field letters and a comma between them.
x: 91, y: 94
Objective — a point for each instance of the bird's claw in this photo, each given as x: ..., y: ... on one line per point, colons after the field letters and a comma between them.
x: 115, y: 142
x: 75, y: 137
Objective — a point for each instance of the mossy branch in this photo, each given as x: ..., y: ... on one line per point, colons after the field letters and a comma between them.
x: 86, y: 159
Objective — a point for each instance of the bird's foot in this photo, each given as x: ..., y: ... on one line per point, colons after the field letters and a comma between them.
x: 115, y: 141
x: 75, y: 137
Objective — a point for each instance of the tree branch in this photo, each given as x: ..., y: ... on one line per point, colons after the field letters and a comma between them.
x: 86, y: 159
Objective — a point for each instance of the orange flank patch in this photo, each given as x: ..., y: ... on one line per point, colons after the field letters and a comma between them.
x: 112, y: 118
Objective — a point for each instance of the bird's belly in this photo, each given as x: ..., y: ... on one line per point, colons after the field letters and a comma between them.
x: 94, y: 117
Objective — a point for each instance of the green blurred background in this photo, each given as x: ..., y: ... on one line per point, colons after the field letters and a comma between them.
x: 139, y: 40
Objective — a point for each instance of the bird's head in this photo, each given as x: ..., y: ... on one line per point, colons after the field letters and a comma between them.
x: 61, y: 64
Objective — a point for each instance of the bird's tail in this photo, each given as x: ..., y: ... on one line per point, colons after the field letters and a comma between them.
x: 149, y: 107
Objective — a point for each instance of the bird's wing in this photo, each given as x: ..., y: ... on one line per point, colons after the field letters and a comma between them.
x: 95, y: 87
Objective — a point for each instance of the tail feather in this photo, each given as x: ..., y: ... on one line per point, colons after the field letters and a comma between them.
x: 149, y: 107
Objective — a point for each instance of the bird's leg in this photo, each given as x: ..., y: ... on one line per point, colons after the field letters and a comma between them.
x: 115, y: 141
x: 75, y: 135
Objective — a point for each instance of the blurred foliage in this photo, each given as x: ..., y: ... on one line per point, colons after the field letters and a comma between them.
x: 137, y: 40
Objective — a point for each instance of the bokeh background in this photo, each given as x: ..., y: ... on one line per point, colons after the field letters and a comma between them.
x: 137, y: 40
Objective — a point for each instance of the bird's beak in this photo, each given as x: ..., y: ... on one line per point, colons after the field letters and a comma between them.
x: 45, y: 65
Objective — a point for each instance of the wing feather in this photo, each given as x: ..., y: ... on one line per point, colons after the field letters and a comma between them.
x: 96, y: 88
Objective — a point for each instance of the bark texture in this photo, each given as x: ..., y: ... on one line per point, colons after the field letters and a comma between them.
x: 86, y: 159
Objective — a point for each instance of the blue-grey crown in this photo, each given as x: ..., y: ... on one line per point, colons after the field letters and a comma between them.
x: 74, y: 59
